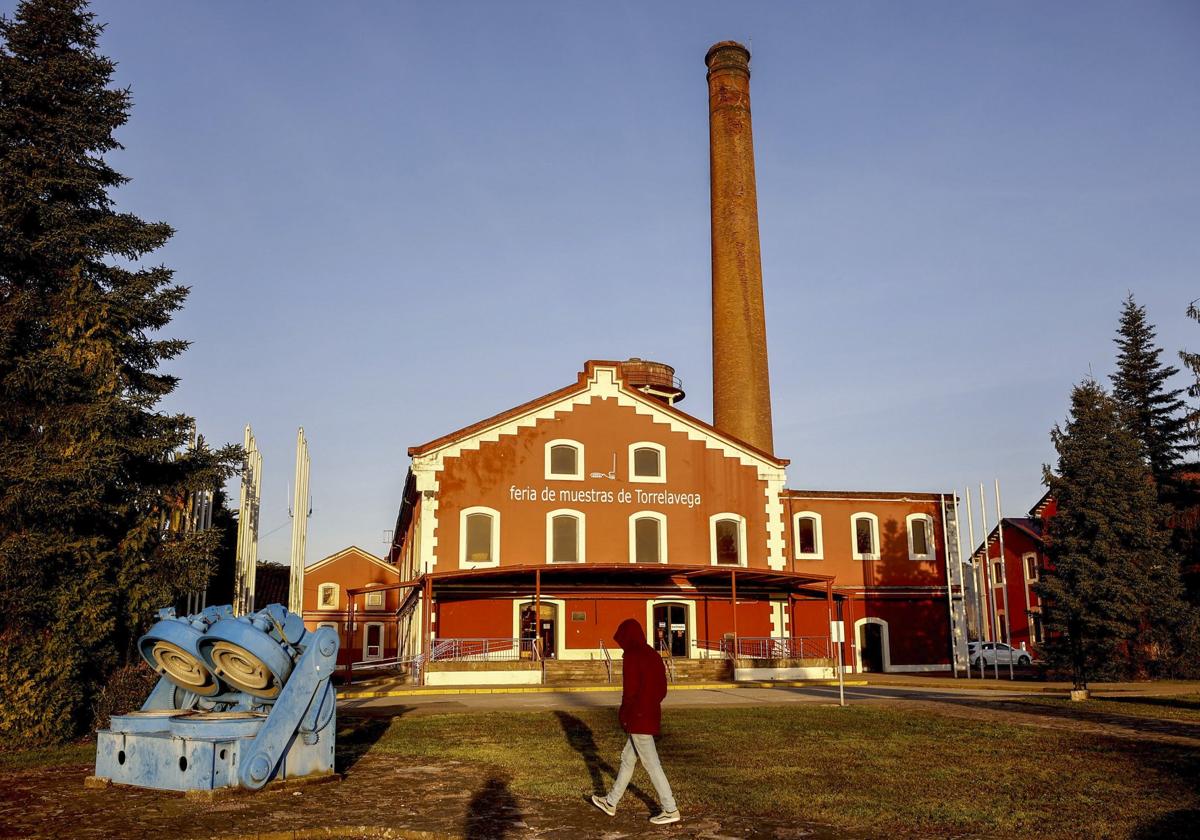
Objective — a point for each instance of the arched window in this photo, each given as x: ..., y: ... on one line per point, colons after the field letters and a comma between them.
x: 565, y: 536
x: 647, y: 463
x: 327, y: 596
x: 806, y: 533
x: 564, y: 460
x: 727, y: 539
x: 479, y: 537
x: 648, y: 537
x: 864, y: 536
x: 920, y: 536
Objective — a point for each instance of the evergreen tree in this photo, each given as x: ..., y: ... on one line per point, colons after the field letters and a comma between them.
x: 1154, y: 412
x: 1111, y: 593
x: 88, y: 468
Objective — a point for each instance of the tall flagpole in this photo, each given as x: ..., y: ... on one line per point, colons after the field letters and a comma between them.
x: 1004, y: 580
x: 246, y: 566
x: 987, y: 566
x: 962, y: 583
x: 300, y: 514
x: 980, y: 596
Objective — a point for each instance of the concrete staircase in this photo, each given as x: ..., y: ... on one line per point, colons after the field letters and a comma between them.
x: 592, y: 672
x: 580, y: 672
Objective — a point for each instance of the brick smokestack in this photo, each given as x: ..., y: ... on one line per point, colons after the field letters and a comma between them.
x: 741, y: 386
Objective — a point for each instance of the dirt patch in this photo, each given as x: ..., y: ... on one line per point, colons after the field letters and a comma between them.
x: 379, y: 797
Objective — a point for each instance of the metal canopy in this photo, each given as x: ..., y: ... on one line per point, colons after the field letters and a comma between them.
x: 791, y: 581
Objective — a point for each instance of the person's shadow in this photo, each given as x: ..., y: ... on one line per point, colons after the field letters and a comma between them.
x: 493, y: 812
x: 579, y: 736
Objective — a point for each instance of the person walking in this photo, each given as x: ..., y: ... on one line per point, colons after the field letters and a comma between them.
x: 643, y: 687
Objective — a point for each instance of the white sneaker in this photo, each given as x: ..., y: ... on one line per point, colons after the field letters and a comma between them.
x: 602, y: 803
x: 666, y: 817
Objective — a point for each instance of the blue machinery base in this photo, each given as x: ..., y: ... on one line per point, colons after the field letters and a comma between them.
x: 241, y: 702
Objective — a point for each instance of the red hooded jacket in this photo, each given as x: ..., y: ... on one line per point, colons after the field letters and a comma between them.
x: 643, y: 680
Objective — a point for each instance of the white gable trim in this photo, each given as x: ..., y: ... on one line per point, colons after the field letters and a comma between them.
x: 344, y: 553
x: 604, y: 383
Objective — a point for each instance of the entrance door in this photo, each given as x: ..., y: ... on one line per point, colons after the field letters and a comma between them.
x: 670, y: 629
x: 372, y: 641
x: 543, y: 627
x: 871, y: 648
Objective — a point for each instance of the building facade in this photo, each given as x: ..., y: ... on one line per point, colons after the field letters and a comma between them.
x: 555, y: 521
x: 1009, y: 609
x: 370, y: 632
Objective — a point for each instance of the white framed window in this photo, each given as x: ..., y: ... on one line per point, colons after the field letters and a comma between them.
x: 1029, y: 561
x: 920, y: 536
x: 864, y: 536
x: 647, y: 463
x: 997, y: 572
x: 806, y: 536
x: 648, y: 537
x: 564, y: 460
x: 327, y: 596
x: 727, y: 539
x: 374, y: 600
x: 566, y: 536
x: 478, y: 537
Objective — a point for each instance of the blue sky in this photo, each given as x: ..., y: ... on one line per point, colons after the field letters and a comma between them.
x: 397, y: 219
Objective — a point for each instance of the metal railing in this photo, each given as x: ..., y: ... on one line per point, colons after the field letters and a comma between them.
x: 764, y: 647
x: 484, y: 650
x: 664, y: 650
x: 608, y: 665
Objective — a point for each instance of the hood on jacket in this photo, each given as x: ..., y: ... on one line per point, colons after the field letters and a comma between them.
x: 630, y: 635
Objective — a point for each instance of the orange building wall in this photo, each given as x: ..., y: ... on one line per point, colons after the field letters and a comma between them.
x: 353, y: 569
x: 893, y: 568
x: 488, y: 476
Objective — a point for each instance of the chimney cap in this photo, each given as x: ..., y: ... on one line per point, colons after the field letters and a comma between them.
x: 727, y: 47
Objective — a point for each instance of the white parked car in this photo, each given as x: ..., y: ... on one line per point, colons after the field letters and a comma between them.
x: 997, y: 653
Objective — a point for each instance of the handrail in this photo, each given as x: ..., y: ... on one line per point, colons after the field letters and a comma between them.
x: 608, y: 665
x: 664, y: 650
x: 767, y: 647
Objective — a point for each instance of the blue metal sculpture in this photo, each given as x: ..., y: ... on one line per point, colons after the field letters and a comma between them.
x: 241, y: 701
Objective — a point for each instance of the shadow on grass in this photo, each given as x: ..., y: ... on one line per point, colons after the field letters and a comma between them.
x: 580, y: 737
x: 358, y: 733
x: 493, y: 812
x: 1181, y: 823
x: 1189, y: 703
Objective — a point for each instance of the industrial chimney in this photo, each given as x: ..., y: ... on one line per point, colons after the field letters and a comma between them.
x: 741, y: 386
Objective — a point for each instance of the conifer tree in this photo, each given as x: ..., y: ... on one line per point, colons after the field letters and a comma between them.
x: 88, y: 467
x: 1111, y: 592
x: 1154, y: 411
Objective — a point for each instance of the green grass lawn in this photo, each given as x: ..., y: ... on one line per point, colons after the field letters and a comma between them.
x: 880, y: 771
x: 83, y: 752
x: 1178, y: 707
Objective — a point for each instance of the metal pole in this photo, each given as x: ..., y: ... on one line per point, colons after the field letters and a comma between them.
x: 841, y: 678
x: 537, y: 611
x: 733, y: 598
x: 962, y: 579
x: 991, y: 591
x: 979, y: 595
x: 299, y: 525
x: 949, y: 584
x: 1004, y: 580
x: 426, y: 610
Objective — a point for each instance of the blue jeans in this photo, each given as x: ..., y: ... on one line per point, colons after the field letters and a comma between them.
x: 641, y: 746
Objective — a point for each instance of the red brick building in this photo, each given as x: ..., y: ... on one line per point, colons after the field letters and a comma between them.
x: 603, y: 501
x: 373, y: 634
x: 534, y: 533
x: 1016, y: 576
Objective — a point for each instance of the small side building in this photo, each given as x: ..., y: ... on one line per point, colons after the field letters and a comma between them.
x: 369, y: 634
